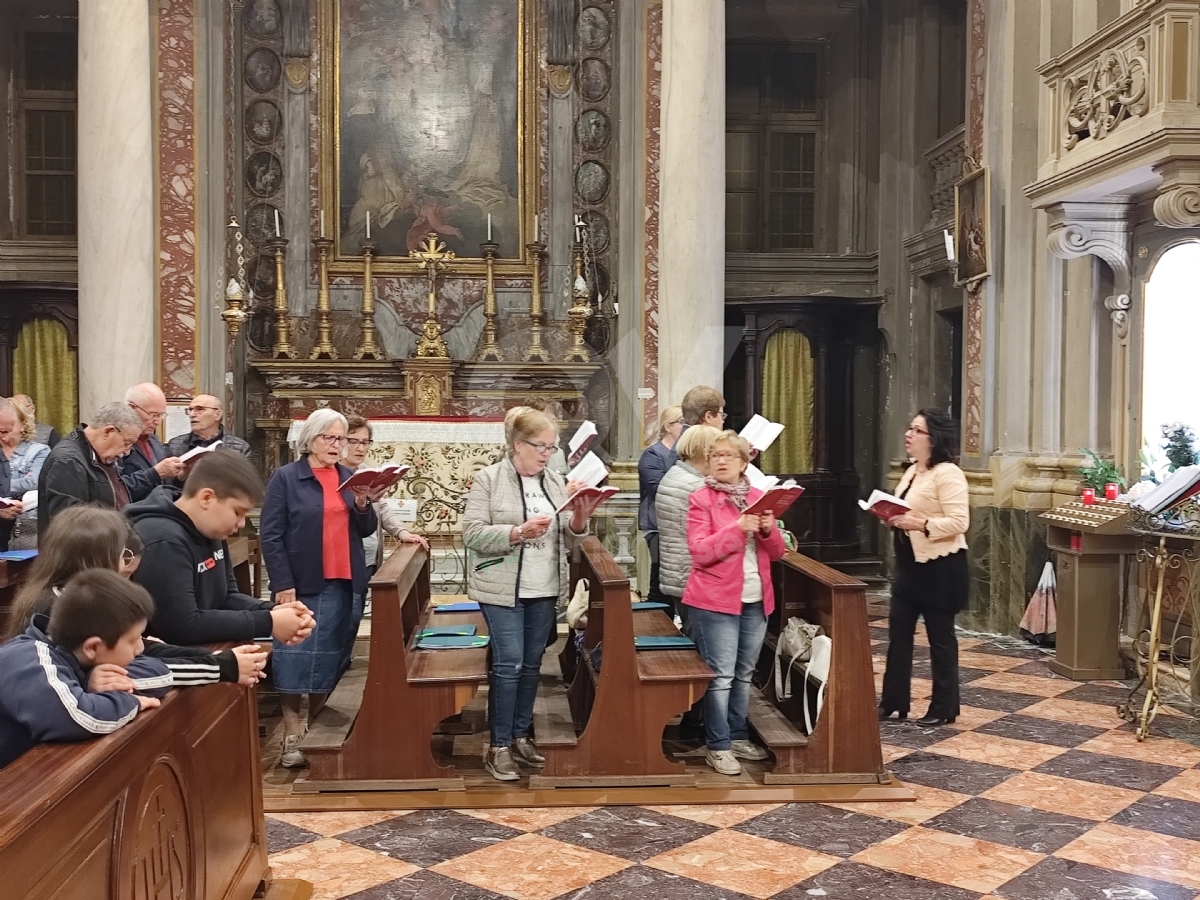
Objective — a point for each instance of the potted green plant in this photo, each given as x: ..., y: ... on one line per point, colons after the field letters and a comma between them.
x: 1099, y: 472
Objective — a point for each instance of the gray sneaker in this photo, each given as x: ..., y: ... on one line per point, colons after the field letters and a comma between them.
x: 748, y: 750
x: 290, y: 756
x: 501, y: 765
x: 526, y: 751
x: 723, y: 761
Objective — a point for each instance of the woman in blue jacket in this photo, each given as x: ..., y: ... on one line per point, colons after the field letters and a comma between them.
x: 312, y: 544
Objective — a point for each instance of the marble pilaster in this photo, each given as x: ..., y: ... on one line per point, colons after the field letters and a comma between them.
x: 692, y: 239
x: 116, y: 166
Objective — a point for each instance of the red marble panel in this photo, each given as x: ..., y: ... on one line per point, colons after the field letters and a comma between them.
x: 176, y: 127
x: 654, y: 37
x: 973, y: 320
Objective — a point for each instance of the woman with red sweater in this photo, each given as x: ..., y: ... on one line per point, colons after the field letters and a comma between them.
x: 730, y: 596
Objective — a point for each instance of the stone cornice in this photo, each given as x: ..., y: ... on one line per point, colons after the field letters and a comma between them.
x: 790, y: 275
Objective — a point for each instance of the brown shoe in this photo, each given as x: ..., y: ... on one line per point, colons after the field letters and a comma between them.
x: 526, y: 751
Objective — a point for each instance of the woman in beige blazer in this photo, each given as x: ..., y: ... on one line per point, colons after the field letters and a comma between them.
x: 931, y: 568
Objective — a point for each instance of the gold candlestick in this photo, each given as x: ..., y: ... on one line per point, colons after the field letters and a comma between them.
x: 323, y: 348
x: 282, y: 348
x: 433, y: 255
x: 536, y: 352
x: 581, y: 309
x: 367, y: 348
x: 488, y: 351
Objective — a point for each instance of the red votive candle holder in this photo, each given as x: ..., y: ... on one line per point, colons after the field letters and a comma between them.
x: 1076, y: 540
x: 1112, y: 490
x: 1089, y: 496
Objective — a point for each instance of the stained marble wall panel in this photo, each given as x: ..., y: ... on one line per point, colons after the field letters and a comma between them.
x: 1006, y: 556
x: 653, y: 62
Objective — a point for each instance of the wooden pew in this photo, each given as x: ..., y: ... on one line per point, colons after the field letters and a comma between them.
x: 844, y: 746
x: 243, y: 565
x: 169, y: 806
x: 12, y: 576
x: 376, y: 730
x: 624, y: 707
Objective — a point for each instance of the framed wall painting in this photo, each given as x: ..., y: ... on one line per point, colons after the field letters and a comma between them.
x: 972, y: 235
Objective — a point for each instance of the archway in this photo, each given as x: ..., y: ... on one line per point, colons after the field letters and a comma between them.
x: 1171, y: 323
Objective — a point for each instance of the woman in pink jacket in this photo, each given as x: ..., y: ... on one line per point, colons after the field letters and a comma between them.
x: 730, y: 596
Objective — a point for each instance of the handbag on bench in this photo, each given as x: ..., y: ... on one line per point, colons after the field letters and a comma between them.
x: 795, y: 642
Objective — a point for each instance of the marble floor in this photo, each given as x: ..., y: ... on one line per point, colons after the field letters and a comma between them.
x: 1038, y: 792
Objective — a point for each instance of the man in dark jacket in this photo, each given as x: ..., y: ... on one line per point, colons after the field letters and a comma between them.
x: 186, y: 567
x: 205, y: 414
x: 82, y: 467
x: 147, y: 464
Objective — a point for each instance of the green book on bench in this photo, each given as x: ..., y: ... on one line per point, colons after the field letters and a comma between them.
x: 650, y: 604
x: 436, y: 630
x: 451, y: 641
x: 662, y: 642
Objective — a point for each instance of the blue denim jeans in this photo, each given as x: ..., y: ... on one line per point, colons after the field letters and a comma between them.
x: 730, y: 645
x: 518, y: 640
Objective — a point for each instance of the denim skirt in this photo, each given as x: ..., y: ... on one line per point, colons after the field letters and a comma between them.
x: 315, y: 665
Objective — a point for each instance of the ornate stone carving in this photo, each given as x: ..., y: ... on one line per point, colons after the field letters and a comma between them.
x: 1112, y: 88
x: 1102, y: 230
x: 560, y: 80
x: 1178, y: 202
x: 946, y: 159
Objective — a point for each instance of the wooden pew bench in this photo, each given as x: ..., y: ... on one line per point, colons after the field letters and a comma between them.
x: 623, y: 708
x: 844, y: 746
x: 376, y: 730
x: 12, y: 576
x: 168, y: 806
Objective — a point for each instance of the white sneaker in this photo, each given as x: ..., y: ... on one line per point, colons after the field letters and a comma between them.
x: 723, y: 761
x: 290, y: 756
x: 748, y: 750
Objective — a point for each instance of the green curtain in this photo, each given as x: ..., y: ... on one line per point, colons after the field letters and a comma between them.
x: 787, y: 397
x: 45, y: 368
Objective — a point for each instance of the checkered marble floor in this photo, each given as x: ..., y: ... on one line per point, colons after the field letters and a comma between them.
x: 1038, y: 792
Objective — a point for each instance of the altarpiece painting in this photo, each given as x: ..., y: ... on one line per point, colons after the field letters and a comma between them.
x: 428, y: 125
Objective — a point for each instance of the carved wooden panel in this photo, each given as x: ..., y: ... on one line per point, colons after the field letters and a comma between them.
x: 162, y: 858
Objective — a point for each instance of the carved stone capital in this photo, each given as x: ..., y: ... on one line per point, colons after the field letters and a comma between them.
x: 1178, y: 202
x: 1104, y: 230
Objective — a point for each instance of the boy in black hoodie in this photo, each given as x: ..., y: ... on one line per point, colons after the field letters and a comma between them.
x: 185, y: 565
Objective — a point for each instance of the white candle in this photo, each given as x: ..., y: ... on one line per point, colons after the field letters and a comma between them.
x: 489, y: 227
x: 368, y: 224
x: 535, y: 227
x: 277, y: 232
x: 322, y: 223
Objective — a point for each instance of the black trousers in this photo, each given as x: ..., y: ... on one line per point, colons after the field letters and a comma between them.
x: 654, y: 592
x: 943, y: 654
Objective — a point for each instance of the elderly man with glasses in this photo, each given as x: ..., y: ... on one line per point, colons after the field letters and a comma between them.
x: 147, y: 463
x: 82, y: 466
x: 205, y: 414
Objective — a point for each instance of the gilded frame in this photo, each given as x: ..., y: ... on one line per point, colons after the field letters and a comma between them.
x: 973, y: 246
x: 528, y: 167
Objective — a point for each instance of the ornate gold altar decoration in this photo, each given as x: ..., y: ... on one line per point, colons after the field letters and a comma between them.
x: 433, y: 256
x: 488, y: 351
x: 536, y: 352
x: 282, y: 348
x: 581, y: 307
x: 367, y: 347
x: 323, y: 347
x: 234, y: 314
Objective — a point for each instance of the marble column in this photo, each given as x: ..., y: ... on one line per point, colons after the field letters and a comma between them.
x: 691, y: 311
x: 117, y: 271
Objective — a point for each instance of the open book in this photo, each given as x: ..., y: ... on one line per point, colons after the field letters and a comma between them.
x: 1178, y: 486
x: 199, y: 451
x: 604, y: 493
x: 885, y: 506
x: 373, y: 479
x: 776, y: 500
x: 758, y: 480
x: 580, y: 441
x: 760, y: 432
x: 590, y: 471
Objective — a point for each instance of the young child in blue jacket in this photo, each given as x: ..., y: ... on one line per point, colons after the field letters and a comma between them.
x: 76, y: 678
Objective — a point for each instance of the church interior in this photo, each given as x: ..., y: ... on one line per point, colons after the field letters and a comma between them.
x: 426, y: 213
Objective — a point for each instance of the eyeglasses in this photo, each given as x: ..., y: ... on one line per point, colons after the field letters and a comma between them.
x: 200, y: 409
x: 358, y: 442
x: 542, y: 448
x: 719, y: 457
x: 334, y: 440
x: 912, y: 430
x: 153, y: 416
x: 127, y: 442
x: 127, y: 556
